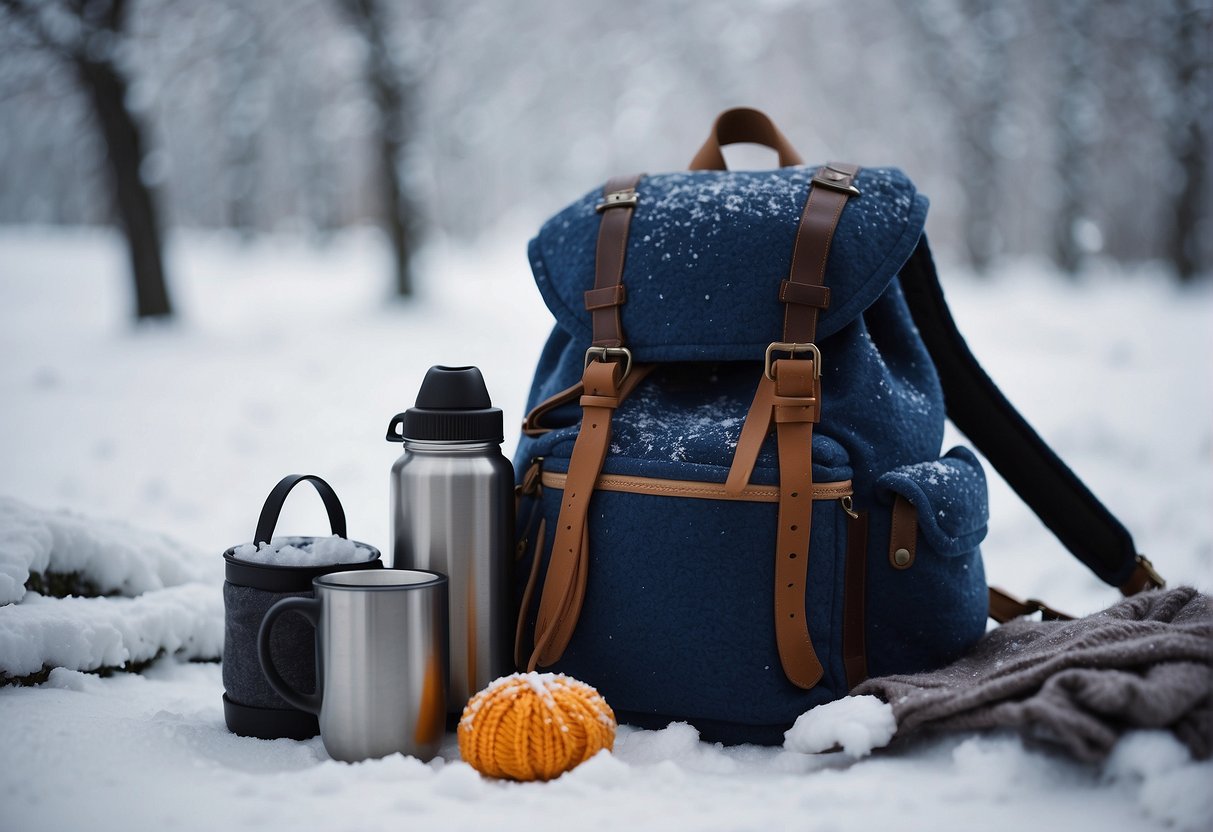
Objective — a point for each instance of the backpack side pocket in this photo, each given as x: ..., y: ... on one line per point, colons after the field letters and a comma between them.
x: 927, y: 596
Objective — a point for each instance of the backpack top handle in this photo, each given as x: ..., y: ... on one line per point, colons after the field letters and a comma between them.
x: 739, y: 125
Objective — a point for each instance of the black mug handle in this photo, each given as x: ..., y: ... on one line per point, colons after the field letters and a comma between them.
x: 309, y: 608
x: 273, y: 506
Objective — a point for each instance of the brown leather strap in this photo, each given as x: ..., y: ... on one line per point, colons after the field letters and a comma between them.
x: 564, y: 585
x: 854, y: 642
x: 903, y: 534
x: 604, y: 300
x: 738, y: 125
x: 796, y: 409
x: 1004, y: 607
x: 833, y: 185
x: 532, y: 425
x: 527, y: 594
x: 753, y: 434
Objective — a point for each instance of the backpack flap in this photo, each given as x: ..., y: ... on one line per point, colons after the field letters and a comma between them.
x: 707, y: 251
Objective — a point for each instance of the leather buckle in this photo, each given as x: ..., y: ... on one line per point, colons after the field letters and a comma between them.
x: 604, y: 353
x: 791, y: 349
x: 620, y: 199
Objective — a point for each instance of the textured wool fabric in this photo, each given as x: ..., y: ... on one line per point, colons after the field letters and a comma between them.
x: 1146, y: 662
x: 678, y: 617
x: 292, y: 645
x: 534, y: 726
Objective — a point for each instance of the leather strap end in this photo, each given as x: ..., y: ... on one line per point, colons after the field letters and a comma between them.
x: 554, y: 631
x: 739, y: 475
x: 903, y: 534
x: 753, y: 433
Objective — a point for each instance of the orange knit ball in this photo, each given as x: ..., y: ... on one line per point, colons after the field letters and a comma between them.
x: 534, y: 726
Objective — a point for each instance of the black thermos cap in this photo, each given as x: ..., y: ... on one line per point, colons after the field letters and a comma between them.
x: 453, y: 405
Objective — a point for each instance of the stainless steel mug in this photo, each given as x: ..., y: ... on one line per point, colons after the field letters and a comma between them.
x: 452, y: 510
x: 381, y: 661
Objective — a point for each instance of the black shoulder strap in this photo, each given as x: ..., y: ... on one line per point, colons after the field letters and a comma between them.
x: 979, y: 409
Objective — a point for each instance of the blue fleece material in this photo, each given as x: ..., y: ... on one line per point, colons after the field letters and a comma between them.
x: 678, y: 620
x: 950, y: 496
x: 706, y: 253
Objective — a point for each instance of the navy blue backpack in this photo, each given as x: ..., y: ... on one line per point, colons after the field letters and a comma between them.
x: 733, y: 504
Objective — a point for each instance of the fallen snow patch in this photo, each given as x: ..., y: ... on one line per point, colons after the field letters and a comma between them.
x: 1168, y: 784
x: 176, y: 608
x: 856, y: 723
x: 91, y: 633
x: 111, y: 555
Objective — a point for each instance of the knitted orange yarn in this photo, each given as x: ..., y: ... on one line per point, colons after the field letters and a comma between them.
x: 534, y: 726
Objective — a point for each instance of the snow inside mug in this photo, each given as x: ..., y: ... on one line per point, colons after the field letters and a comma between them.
x: 259, y: 574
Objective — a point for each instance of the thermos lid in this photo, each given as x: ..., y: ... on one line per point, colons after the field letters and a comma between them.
x: 453, y: 405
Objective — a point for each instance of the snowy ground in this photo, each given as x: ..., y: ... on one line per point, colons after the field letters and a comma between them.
x: 287, y: 359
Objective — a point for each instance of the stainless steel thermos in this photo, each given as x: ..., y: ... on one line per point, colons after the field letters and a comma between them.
x: 452, y: 511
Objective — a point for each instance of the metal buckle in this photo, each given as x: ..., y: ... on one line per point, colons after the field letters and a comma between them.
x: 1151, y: 572
x: 833, y: 178
x: 618, y: 199
x: 784, y: 346
x: 602, y: 353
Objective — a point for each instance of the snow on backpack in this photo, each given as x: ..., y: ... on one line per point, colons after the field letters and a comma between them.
x: 732, y: 502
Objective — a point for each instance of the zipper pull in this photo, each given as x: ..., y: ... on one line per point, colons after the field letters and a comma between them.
x: 848, y: 506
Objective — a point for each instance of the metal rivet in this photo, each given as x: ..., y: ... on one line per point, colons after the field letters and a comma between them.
x: 901, y: 557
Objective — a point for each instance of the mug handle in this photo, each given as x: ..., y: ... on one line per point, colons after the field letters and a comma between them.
x: 309, y: 608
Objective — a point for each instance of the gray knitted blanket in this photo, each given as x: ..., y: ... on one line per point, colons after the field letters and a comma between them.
x: 1146, y: 662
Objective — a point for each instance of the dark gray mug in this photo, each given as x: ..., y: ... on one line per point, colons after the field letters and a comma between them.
x: 381, y: 661
x: 250, y: 706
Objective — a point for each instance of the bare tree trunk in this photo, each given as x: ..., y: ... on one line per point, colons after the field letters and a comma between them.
x: 1072, y: 102
x: 393, y: 98
x: 241, y: 118
x: 971, y: 76
x: 1190, y: 60
x: 102, y: 22
x: 132, y: 197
